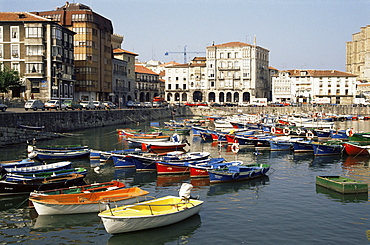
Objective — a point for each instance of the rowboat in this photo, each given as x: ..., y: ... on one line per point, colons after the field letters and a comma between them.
x: 27, y: 186
x: 172, y: 167
x: 342, y: 184
x: 41, y: 168
x: 17, y: 163
x: 327, y: 148
x: 200, y: 170
x: 151, y: 214
x: 43, y: 175
x: 154, y: 138
x: 58, y: 155
x: 85, y: 202
x: 356, y: 149
x: 56, y: 148
x: 239, y: 172
x: 171, y: 130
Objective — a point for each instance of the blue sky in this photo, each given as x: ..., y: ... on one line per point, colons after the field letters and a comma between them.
x: 300, y: 34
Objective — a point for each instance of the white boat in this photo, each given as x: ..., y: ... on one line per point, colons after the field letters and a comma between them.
x: 151, y: 214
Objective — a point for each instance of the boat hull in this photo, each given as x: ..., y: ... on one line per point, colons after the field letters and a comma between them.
x: 326, y: 150
x: 117, y: 224
x: 216, y: 176
x: 167, y: 168
x: 355, y: 150
x: 342, y: 184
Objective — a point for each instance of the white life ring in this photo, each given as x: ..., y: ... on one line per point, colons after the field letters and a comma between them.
x: 299, y: 131
x: 273, y: 130
x: 349, y: 132
x: 309, y: 135
x: 235, y: 147
x: 286, y: 131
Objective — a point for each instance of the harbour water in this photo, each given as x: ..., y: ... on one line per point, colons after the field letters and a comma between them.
x: 285, y: 207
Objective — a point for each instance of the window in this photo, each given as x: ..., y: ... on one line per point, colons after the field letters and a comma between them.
x: 34, y: 50
x: 14, y: 31
x: 184, y: 86
x: 35, y: 87
x: 169, y: 86
x: 1, y: 33
x: 15, y: 51
x: 33, y: 32
x: 1, y: 51
x: 15, y: 66
x: 34, y: 68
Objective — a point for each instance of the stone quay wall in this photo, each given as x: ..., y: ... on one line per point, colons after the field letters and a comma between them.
x: 59, y: 123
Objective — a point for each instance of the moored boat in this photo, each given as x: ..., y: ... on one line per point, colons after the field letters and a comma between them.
x: 356, y: 149
x: 58, y: 155
x: 237, y: 173
x: 85, y: 202
x: 151, y: 214
x: 41, y: 168
x: 327, y: 148
x: 342, y: 184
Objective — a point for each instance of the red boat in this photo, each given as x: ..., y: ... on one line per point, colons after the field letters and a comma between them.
x: 171, y: 168
x: 197, y: 172
x: 159, y: 147
x: 354, y: 149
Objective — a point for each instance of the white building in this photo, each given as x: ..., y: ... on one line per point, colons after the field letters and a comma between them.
x: 304, y: 86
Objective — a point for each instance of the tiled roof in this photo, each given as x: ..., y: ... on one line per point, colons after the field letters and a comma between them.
x: 20, y: 16
x: 169, y: 64
x: 231, y: 44
x: 119, y: 50
x: 144, y: 70
x: 319, y: 73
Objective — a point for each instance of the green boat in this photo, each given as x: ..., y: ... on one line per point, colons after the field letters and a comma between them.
x: 342, y: 184
x: 360, y: 137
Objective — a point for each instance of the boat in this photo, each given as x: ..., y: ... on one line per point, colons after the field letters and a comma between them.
x: 342, y: 184
x: 173, y: 167
x: 43, y: 155
x: 159, y: 147
x: 302, y: 146
x: 171, y: 130
x: 37, y: 128
x: 327, y: 148
x: 43, y: 175
x: 238, y: 172
x: 151, y: 214
x: 359, y: 137
x: 105, y: 156
x: 153, y: 138
x: 40, y: 168
x: 85, y: 202
x: 147, y: 161
x: 27, y: 186
x: 17, y: 163
x: 200, y: 170
x: 356, y: 149
x: 56, y: 148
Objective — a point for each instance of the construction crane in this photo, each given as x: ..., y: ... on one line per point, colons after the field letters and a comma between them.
x: 183, y: 52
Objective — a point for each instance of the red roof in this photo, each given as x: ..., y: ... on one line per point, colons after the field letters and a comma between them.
x: 319, y: 73
x: 119, y: 51
x: 144, y: 70
x: 20, y: 16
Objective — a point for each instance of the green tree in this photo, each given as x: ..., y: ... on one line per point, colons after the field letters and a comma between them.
x: 9, y: 78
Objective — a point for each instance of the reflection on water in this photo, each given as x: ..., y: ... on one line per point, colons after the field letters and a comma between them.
x: 339, y: 197
x: 180, y: 232
x: 171, y: 180
x: 321, y: 161
x: 8, y: 202
x: 57, y: 222
x: 141, y: 178
x: 230, y: 187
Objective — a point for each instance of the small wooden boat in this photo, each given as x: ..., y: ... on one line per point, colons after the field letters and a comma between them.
x: 81, y: 189
x: 151, y: 214
x: 41, y: 168
x: 56, y: 148
x: 356, y: 149
x: 37, y: 128
x: 342, y: 184
x: 171, y: 130
x: 43, y: 175
x: 179, y: 167
x: 58, y: 155
x: 17, y: 163
x: 85, y: 202
x: 327, y: 148
x: 238, y: 172
x: 154, y: 138
x: 27, y: 186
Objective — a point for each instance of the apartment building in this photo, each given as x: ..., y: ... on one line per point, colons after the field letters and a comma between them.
x: 41, y: 51
x: 92, y: 49
x: 305, y: 86
x: 237, y: 72
x: 147, y: 84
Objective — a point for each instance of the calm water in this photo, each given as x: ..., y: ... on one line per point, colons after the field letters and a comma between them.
x: 284, y: 208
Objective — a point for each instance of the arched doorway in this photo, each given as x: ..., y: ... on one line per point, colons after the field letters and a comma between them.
x: 197, y: 96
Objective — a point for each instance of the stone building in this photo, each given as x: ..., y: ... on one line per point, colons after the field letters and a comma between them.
x: 147, y: 84
x: 92, y: 49
x: 41, y: 50
x: 306, y: 86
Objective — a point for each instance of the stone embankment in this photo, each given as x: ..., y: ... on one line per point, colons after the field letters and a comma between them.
x: 60, y: 123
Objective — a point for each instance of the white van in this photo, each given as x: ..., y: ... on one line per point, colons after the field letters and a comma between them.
x: 34, y: 105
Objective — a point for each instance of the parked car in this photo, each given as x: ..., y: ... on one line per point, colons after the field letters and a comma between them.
x: 3, y: 107
x: 157, y: 104
x: 137, y: 104
x: 109, y: 105
x: 99, y: 105
x: 130, y: 103
x: 54, y: 104
x: 34, y: 105
x: 88, y: 105
x: 148, y: 104
x: 71, y: 104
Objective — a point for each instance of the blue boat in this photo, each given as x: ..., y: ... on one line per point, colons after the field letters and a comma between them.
x: 41, y: 168
x: 327, y: 148
x: 43, y: 175
x: 322, y: 133
x: 280, y: 145
x: 237, y: 173
x: 17, y: 163
x: 339, y: 135
x: 302, y: 146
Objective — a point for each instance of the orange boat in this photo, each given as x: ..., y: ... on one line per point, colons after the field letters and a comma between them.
x: 85, y: 202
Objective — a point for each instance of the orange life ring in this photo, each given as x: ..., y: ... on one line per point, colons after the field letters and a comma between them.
x: 349, y: 132
x: 235, y: 147
x: 286, y: 131
x: 273, y: 130
x: 309, y: 135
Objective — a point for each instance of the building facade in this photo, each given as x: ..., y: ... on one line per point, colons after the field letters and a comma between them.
x: 307, y: 86
x: 41, y: 51
x: 126, y: 92
x: 147, y: 84
x: 92, y: 49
